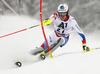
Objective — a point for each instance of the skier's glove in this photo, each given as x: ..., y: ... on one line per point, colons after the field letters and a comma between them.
x: 47, y: 22
x: 85, y: 48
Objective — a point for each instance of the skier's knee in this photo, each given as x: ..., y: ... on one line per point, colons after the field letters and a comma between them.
x: 65, y: 40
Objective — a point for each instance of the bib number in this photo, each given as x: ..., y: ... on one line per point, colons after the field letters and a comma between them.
x: 61, y: 27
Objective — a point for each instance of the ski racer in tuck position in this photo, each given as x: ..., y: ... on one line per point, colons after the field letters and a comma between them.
x: 63, y: 23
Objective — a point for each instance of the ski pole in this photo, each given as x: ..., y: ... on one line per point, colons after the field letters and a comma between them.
x: 97, y: 48
x: 18, y: 31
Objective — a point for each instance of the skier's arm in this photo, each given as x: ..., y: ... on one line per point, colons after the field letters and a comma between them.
x: 79, y: 31
x: 50, y: 19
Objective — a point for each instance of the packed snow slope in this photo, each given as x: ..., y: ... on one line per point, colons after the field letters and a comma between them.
x: 66, y: 60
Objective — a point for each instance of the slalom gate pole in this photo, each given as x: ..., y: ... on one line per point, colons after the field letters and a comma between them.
x: 6, y: 4
x: 18, y: 31
x: 43, y: 28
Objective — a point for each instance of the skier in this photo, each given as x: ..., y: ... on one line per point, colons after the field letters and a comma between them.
x: 63, y: 23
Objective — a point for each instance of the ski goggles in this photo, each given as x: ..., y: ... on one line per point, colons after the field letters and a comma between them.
x: 62, y: 13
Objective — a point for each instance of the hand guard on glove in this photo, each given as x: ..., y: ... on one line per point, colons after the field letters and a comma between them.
x: 85, y: 48
x: 47, y: 22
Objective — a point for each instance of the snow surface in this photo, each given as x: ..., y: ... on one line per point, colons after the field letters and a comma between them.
x: 66, y: 60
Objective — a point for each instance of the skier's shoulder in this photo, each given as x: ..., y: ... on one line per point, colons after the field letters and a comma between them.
x: 72, y: 19
x: 54, y: 15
